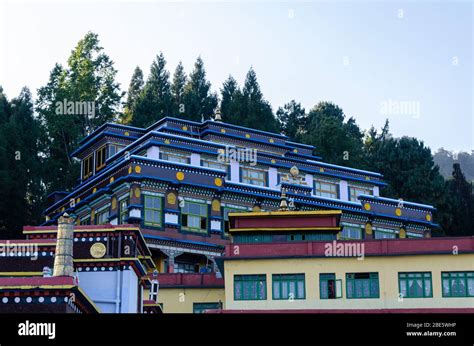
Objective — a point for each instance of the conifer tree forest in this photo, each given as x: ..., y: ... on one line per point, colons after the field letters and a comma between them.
x: 36, y: 141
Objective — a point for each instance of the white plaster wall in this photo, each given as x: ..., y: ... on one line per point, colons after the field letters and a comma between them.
x: 234, y: 171
x: 171, y: 218
x: 129, y: 295
x: 153, y: 152
x: 343, y: 191
x: 215, y: 225
x: 272, y: 178
x: 376, y: 191
x: 195, y: 159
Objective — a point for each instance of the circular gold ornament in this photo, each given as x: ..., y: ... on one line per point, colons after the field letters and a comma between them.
x: 180, y: 176
x: 218, y: 181
x: 398, y: 212
x: 98, y: 250
x: 138, y: 169
x: 367, y: 206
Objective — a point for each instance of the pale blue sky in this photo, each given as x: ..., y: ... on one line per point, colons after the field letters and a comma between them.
x: 360, y: 55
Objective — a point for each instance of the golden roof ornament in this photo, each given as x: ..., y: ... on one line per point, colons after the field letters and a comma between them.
x: 283, y: 203
x: 217, y: 115
x: 294, y: 171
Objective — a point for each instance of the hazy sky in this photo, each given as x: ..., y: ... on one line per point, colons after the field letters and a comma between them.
x: 409, y: 62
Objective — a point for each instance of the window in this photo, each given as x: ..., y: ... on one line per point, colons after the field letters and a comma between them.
x: 199, y: 308
x: 415, y: 285
x: 351, y: 232
x: 458, y: 284
x: 252, y: 238
x: 288, y: 286
x: 326, y: 189
x: 253, y: 176
x: 194, y: 217
x: 114, y: 149
x: 362, y: 285
x: 310, y: 236
x: 100, y: 158
x: 185, y: 267
x: 250, y: 287
x: 86, y: 221
x: 174, y: 157
x: 380, y: 233
x: 102, y: 217
x: 355, y: 191
x: 216, y: 165
x: 87, y: 167
x: 329, y: 287
x: 153, y: 211
x: 154, y: 290
x: 123, y: 211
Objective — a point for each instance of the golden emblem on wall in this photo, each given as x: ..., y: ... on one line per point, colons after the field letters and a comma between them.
x: 171, y: 198
x: 180, y: 176
x: 398, y: 212
x: 367, y: 206
x: 218, y: 182
x: 114, y: 203
x: 137, y: 192
x: 216, y: 205
x: 138, y: 169
x: 98, y: 250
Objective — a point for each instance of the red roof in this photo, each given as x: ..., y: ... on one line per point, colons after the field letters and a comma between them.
x: 384, y: 247
x: 37, y: 281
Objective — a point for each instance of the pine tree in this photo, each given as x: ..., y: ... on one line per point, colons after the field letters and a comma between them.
x: 134, y: 90
x: 88, y: 77
x: 291, y: 119
x: 20, y: 176
x: 256, y: 112
x: 155, y: 100
x: 230, y: 95
x: 199, y: 102
x: 462, y: 204
x: 177, y: 90
x: 336, y: 141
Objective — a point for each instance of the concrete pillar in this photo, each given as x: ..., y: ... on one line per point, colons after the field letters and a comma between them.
x: 63, y: 259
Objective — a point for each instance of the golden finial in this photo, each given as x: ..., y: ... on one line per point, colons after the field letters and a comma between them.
x: 217, y: 115
x: 283, y: 203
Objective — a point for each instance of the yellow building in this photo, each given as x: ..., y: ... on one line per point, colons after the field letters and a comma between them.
x: 279, y: 263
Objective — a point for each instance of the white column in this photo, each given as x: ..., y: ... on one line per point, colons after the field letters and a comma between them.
x: 343, y: 192
x: 309, y: 182
x: 153, y: 152
x: 195, y: 159
x: 234, y: 171
x: 376, y: 191
x: 272, y: 178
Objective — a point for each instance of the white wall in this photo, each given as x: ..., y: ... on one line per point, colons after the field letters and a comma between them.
x: 153, y: 152
x: 343, y: 191
x: 112, y: 291
x: 195, y: 159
